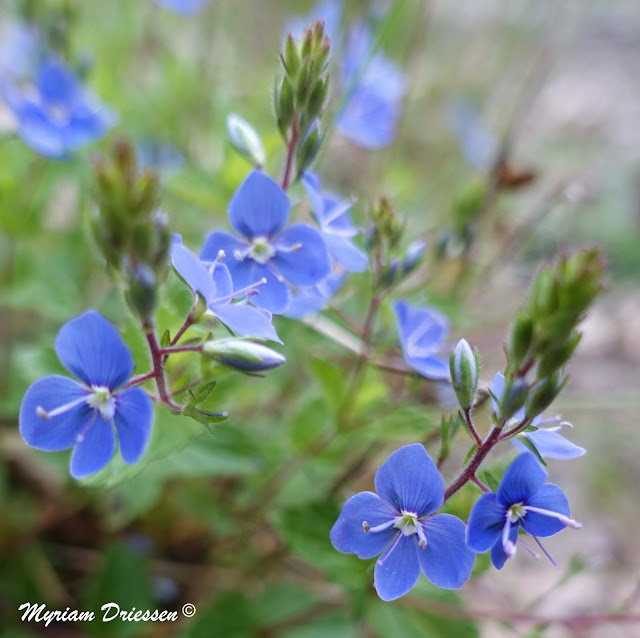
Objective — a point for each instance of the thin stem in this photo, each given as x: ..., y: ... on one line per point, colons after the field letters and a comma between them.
x: 480, y: 484
x: 291, y: 149
x: 188, y: 322
x: 515, y: 430
x: 158, y: 368
x: 167, y: 351
x: 140, y: 379
x: 472, y: 428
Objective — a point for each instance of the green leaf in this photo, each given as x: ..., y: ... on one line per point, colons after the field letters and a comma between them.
x: 309, y: 423
x: 332, y: 380
x: 490, y: 480
x: 165, y: 340
x: 470, y: 453
x: 528, y: 443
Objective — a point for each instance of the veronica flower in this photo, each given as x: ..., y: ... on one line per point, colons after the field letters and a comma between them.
x: 374, y: 93
x: 59, y: 413
x: 336, y: 227
x: 523, y: 501
x: 183, y: 7
x: 547, y: 441
x: 422, y: 334
x: 296, y: 255
x: 56, y: 114
x: 213, y: 281
x: 399, y: 524
x: 310, y: 301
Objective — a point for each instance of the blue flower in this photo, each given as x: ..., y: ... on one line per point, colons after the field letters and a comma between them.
x: 370, y: 115
x: 336, y: 227
x: 19, y: 49
x: 547, y: 441
x: 310, y: 301
x: 56, y: 115
x: 398, y: 525
x: 296, y: 255
x: 523, y: 501
x: 422, y: 334
x: 59, y: 413
x: 183, y: 7
x: 213, y: 281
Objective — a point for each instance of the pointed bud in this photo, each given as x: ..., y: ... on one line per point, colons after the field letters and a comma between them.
x: 463, y: 365
x: 317, y: 99
x: 291, y: 57
x: 245, y: 140
x: 308, y: 147
x: 520, y: 340
x: 514, y: 398
x: 554, y: 358
x: 284, y: 107
x: 543, y: 393
x: 243, y: 355
x: 141, y: 294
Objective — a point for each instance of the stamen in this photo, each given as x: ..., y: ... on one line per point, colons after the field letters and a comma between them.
x: 551, y: 419
x: 366, y: 527
x: 378, y: 528
x: 423, y: 539
x: 44, y: 414
x: 400, y: 535
x: 551, y: 514
x: 241, y: 254
x: 274, y: 272
x: 221, y: 255
x: 80, y: 437
x: 529, y: 549
x: 507, y: 545
x: 291, y: 249
x: 535, y: 538
x: 243, y: 291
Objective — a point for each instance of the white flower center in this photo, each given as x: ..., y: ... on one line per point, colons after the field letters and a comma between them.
x: 102, y: 400
x: 261, y: 250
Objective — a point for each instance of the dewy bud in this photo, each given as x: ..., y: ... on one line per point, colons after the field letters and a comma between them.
x: 243, y: 355
x: 543, y: 393
x: 463, y: 365
x: 245, y: 139
x: 514, y: 398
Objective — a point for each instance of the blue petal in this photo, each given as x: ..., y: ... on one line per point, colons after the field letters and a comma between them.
x: 305, y: 302
x: 56, y: 83
x: 92, y: 349
x: 335, y: 218
x: 497, y: 387
x: 408, y: 480
x: 309, y: 263
x: 246, y: 320
x: 446, y: 561
x: 523, y: 478
x: 272, y: 296
x: 551, y: 445
x: 83, y: 129
x: 134, y: 421
x: 193, y: 271
x: 430, y: 367
x: 226, y: 242
x: 486, y: 521
x: 400, y: 570
x: 259, y: 208
x: 38, y: 132
x: 498, y: 555
x: 347, y: 535
x: 548, y: 497
x: 346, y: 253
x: 59, y: 432
x: 421, y: 330
x: 183, y: 7
x: 96, y: 450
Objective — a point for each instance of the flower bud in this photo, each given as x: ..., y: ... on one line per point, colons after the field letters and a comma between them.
x: 463, y: 365
x: 291, y: 57
x: 521, y: 338
x: 243, y: 355
x: 554, y: 358
x: 308, y: 147
x: 245, y: 139
x: 317, y: 99
x: 141, y: 293
x: 514, y: 398
x: 284, y: 107
x: 543, y: 393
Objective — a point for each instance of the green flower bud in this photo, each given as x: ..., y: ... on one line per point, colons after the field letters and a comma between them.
x: 514, y: 398
x: 243, y: 355
x: 543, y: 393
x: 245, y: 140
x: 554, y: 358
x: 291, y: 58
x: 308, y: 147
x: 141, y: 293
x: 463, y: 365
x: 284, y: 107
x: 520, y: 340
x: 317, y: 99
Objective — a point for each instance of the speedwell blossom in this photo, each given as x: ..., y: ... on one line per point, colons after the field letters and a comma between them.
x: 546, y: 440
x: 296, y: 255
x: 310, y: 301
x: 398, y: 525
x: 336, y: 227
x: 422, y: 334
x: 56, y: 114
x: 213, y: 281
x: 58, y: 413
x: 523, y: 501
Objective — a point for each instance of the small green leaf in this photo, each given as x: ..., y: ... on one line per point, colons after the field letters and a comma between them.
x: 165, y: 340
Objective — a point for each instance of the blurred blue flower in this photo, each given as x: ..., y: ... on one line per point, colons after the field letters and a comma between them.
x: 59, y: 413
x: 523, y: 500
x: 547, y: 441
x: 296, y: 255
x: 20, y: 48
x: 310, y: 301
x: 422, y: 334
x: 183, y: 7
x: 336, y: 227
x: 160, y: 157
x: 212, y: 280
x: 398, y: 525
x: 479, y: 145
x: 56, y: 114
x: 374, y: 90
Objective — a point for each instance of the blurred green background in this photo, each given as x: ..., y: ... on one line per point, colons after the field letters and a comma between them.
x: 237, y: 522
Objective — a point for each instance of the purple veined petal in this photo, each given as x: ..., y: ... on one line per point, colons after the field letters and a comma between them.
x: 430, y: 367
x: 523, y: 478
x: 56, y: 84
x: 498, y: 555
x: 399, y: 571
x: 193, y: 271
x: 272, y: 296
x: 550, y: 445
x: 91, y: 349
x: 485, y: 524
x: 95, y: 451
x: 549, y: 497
x: 347, y: 534
x: 246, y: 320
x: 346, y: 253
x: 408, y: 480
x: 259, y: 208
x: 221, y: 241
x: 134, y: 422
x: 301, y: 255
x: 58, y: 432
x: 446, y: 561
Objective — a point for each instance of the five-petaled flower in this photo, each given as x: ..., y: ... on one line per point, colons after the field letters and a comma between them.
x: 398, y: 524
x: 56, y: 114
x: 296, y: 255
x: 523, y: 501
x: 547, y: 441
x: 58, y: 413
x: 422, y: 334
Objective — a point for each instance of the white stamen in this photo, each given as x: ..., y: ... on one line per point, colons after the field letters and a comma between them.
x: 423, y: 539
x: 45, y: 414
x: 243, y: 291
x: 551, y: 514
x: 221, y: 255
x: 379, y: 528
x: 366, y: 527
x: 507, y: 545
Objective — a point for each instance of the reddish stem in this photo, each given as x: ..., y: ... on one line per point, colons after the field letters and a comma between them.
x: 188, y: 322
x: 472, y: 427
x: 158, y: 369
x: 167, y: 351
x: 291, y: 149
x: 480, y: 484
x: 140, y: 379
